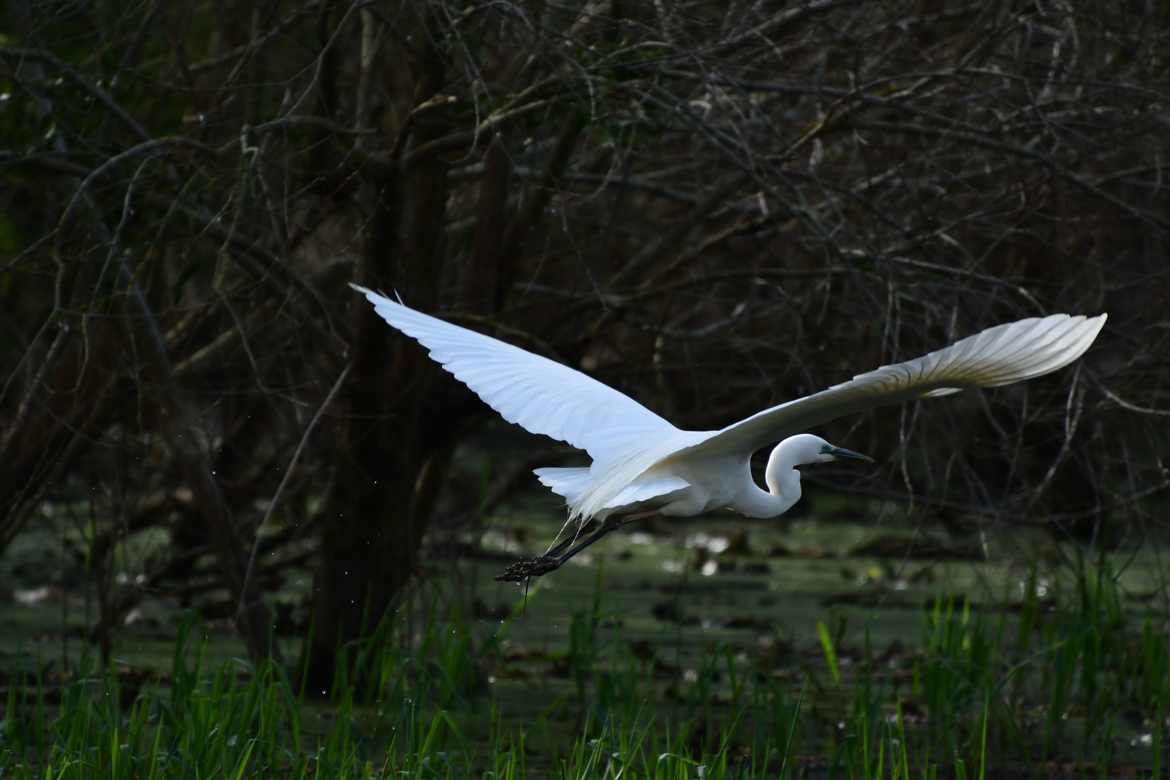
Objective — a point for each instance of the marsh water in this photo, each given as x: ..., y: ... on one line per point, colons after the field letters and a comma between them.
x: 667, y: 617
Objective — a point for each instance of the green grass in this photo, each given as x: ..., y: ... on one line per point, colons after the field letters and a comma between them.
x: 1073, y: 682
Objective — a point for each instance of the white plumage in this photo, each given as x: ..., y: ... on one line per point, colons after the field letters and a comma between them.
x: 538, y: 394
x: 640, y: 461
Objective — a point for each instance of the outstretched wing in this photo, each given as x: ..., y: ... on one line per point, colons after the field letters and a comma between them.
x: 997, y: 356
x: 539, y: 394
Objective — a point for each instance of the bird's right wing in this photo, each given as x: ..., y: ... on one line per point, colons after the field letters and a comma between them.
x: 997, y: 356
x: 538, y: 394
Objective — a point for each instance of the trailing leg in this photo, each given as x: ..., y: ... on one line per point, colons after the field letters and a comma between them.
x: 564, y: 550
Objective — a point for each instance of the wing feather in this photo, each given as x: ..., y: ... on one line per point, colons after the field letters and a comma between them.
x: 536, y: 393
x: 997, y: 356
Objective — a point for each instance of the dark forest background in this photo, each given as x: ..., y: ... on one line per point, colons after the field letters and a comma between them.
x: 712, y: 206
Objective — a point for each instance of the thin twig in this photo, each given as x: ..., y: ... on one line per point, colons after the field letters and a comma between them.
x: 284, y: 481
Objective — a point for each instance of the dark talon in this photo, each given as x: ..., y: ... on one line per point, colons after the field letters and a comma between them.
x: 556, y: 557
x: 529, y: 567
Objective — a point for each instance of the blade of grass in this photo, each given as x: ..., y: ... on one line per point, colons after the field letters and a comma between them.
x: 830, y: 652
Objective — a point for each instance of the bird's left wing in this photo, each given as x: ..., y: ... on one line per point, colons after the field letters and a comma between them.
x: 997, y: 356
x: 539, y: 394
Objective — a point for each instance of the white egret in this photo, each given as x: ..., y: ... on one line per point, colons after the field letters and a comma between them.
x: 641, y: 464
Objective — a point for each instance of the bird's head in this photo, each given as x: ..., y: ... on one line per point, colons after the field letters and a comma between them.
x: 781, y: 475
x: 806, y: 448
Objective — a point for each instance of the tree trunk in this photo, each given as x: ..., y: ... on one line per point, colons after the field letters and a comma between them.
x: 376, y: 521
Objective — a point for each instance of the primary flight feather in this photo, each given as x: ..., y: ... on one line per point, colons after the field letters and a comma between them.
x: 642, y: 463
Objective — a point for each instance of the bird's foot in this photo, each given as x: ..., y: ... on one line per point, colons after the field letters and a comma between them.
x: 529, y: 567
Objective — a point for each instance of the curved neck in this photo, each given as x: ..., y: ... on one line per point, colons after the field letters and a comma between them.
x: 782, y: 478
x: 783, y: 481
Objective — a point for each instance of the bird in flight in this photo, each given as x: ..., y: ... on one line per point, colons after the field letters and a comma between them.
x: 642, y: 465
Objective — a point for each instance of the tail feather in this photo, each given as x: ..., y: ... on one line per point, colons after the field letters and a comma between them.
x: 646, y: 487
x: 564, y: 482
x: 571, y: 483
x: 609, y: 481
